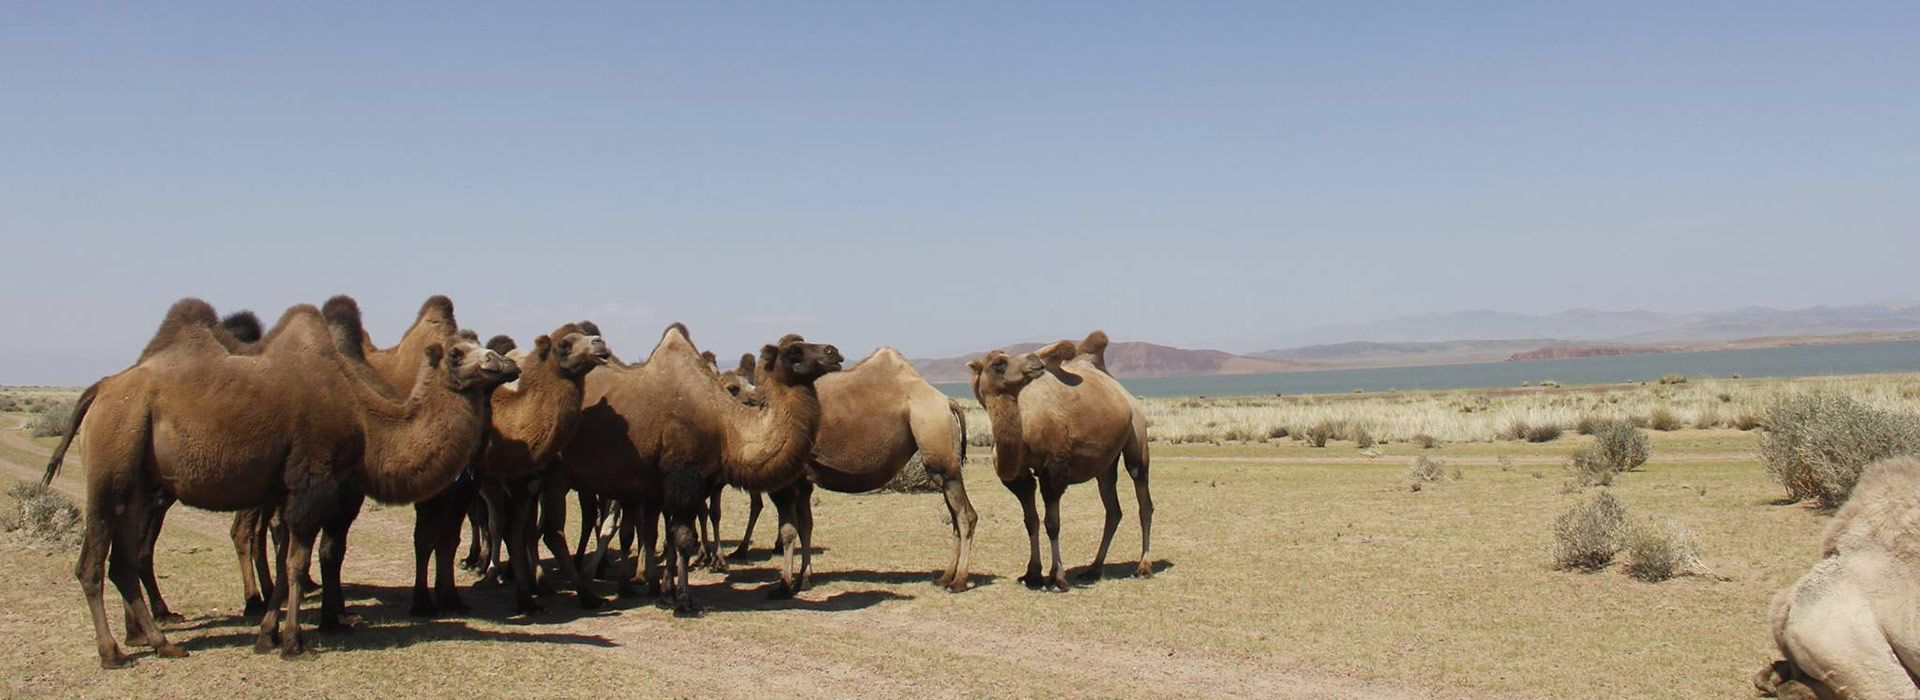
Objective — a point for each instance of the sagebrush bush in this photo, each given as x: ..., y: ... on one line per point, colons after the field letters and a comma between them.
x: 1590, y: 534
x: 1276, y: 432
x: 1707, y: 418
x: 1362, y: 437
x: 1658, y: 552
x: 51, y: 419
x: 1747, y: 421
x: 1663, y: 420
x: 43, y: 516
x: 1816, y: 444
x: 1673, y: 379
x: 1587, y: 424
x: 1521, y: 429
x: 1621, y: 446
x: 1589, y: 467
x: 1425, y: 441
x: 1425, y: 470
x: 1317, y: 434
x: 913, y: 478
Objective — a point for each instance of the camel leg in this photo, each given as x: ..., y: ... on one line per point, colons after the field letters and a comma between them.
x: 553, y: 524
x: 156, y: 517
x: 716, y: 561
x: 1136, y: 456
x: 1050, y: 492
x: 803, y: 521
x: 603, y: 536
x: 333, y: 553
x: 1109, y: 497
x: 428, y: 517
x: 129, y: 557
x: 1023, y: 488
x: 784, y: 504
x: 474, y: 520
x: 299, y: 557
x: 493, y: 493
x: 753, y: 517
x: 643, y: 527
x: 91, y: 569
x: 269, y: 638
x: 682, y: 542
x: 960, y: 511
x: 589, y: 521
x: 248, y: 545
x: 519, y: 503
x: 446, y: 591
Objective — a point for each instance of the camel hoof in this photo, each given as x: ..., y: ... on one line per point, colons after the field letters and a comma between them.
x: 116, y: 660
x: 170, y: 651
x: 779, y: 591
x: 738, y: 552
x: 1034, y: 581
x: 1145, y: 571
x: 264, y: 644
x: 335, y: 627
x: 958, y: 585
x: 686, y: 609
x: 168, y: 616
x: 291, y: 652
x: 255, y: 606
x: 1059, y: 583
x: 590, y: 601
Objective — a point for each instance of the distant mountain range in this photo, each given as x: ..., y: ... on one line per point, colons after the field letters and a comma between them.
x: 1492, y: 336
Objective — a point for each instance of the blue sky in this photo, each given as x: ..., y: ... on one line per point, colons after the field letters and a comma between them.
x: 943, y: 178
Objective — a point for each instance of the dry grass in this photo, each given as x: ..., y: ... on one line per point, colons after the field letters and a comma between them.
x: 1446, y: 594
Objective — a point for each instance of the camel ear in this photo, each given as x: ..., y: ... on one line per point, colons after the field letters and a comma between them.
x: 746, y: 366
x: 541, y: 347
x: 975, y: 366
x: 434, y: 353
x: 768, y: 354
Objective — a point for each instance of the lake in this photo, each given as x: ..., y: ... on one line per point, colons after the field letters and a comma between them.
x: 1803, y: 361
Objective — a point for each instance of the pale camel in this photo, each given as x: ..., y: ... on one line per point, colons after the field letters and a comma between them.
x: 873, y: 418
x: 659, y: 435
x: 1846, y: 628
x: 289, y: 426
x: 1059, y: 419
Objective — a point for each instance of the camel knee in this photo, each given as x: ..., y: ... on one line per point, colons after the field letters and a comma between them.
x: 965, y: 520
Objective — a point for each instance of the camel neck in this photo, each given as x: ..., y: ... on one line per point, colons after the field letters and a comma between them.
x: 412, y: 455
x: 1009, y: 440
x: 775, y: 449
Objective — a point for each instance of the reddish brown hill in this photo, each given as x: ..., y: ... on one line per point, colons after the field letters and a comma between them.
x: 1132, y: 359
x: 1562, y: 352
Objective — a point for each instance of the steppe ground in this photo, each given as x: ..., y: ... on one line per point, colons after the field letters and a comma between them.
x: 1283, y: 571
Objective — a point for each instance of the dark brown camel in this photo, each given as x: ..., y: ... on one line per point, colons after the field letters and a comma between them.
x: 1060, y: 419
x: 658, y: 436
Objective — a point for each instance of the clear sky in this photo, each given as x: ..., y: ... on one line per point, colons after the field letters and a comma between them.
x: 943, y: 177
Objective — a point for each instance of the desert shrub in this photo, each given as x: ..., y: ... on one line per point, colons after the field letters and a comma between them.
x: 44, y: 517
x: 1747, y: 421
x: 1520, y: 429
x: 1638, y: 421
x: 1506, y: 463
x: 1425, y: 441
x: 1362, y: 437
x: 1276, y: 432
x: 1590, y: 534
x: 1587, y: 424
x: 51, y: 419
x: 1707, y: 418
x: 1663, y: 420
x: 1673, y: 379
x: 1589, y: 467
x: 1816, y: 444
x: 1550, y: 384
x: 8, y: 404
x: 1425, y: 470
x: 1657, y: 552
x: 1620, y: 446
x: 1317, y: 434
x: 913, y: 478
x: 1239, y: 434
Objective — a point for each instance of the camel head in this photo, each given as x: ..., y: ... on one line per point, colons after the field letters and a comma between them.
x: 466, y: 365
x: 794, y: 361
x: 1001, y: 374
x: 576, y: 350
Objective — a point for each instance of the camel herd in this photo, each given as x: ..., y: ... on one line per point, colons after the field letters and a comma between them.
x: 291, y: 429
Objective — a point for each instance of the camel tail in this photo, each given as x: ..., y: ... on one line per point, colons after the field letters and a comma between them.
x: 960, y: 416
x: 73, y: 426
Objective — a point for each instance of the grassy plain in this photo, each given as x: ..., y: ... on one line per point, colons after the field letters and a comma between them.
x: 1283, y: 571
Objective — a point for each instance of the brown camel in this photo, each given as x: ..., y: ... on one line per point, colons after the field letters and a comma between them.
x: 288, y: 426
x: 1059, y: 419
x: 531, y: 419
x: 873, y: 418
x: 1846, y: 628
x: 659, y: 435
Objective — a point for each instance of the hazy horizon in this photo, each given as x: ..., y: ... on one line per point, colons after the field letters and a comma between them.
x: 944, y: 179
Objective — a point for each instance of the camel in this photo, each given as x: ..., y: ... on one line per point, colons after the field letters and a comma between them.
x: 1059, y: 419
x: 1846, y: 628
x: 289, y: 426
x: 658, y: 436
x: 873, y: 418
x: 531, y: 419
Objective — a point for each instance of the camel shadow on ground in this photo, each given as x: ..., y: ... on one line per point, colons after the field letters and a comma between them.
x: 1121, y: 570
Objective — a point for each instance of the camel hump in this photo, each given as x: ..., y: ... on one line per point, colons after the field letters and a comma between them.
x: 1095, y: 346
x: 185, y: 313
x: 677, y: 326
x: 1885, y: 499
x: 1057, y: 352
x: 342, y: 314
x: 244, y: 326
x: 501, y: 344
x: 588, y: 327
x: 710, y: 358
x: 438, y: 305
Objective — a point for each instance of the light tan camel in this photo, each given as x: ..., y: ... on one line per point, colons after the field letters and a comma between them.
x: 1059, y: 419
x: 659, y: 435
x: 287, y: 426
x: 873, y: 418
x: 1847, y: 628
